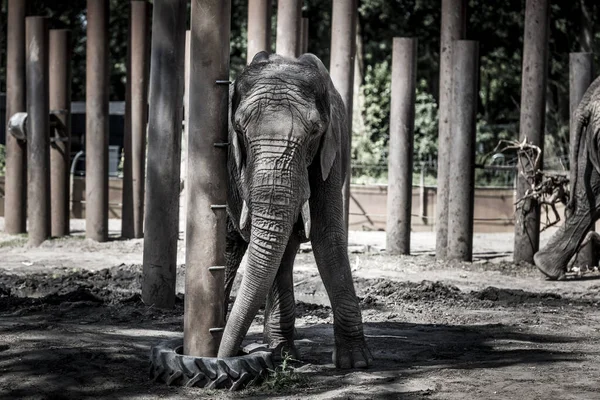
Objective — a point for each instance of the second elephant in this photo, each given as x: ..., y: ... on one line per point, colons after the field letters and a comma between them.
x: 584, y: 207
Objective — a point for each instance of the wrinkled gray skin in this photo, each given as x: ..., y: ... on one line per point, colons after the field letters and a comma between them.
x: 289, y: 142
x: 584, y: 208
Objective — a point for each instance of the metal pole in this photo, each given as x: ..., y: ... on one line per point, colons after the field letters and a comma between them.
x: 533, y: 103
x: 423, y: 196
x: 186, y: 132
x: 127, y: 193
x: 259, y: 27
x: 343, y: 52
x: 400, y: 167
x: 453, y: 27
x: 461, y: 196
x: 60, y: 151
x: 15, y: 189
x: 289, y: 14
x: 304, y: 36
x: 137, y: 87
x: 38, y: 137
x: 204, y: 316
x: 96, y: 124
x: 581, y: 67
x: 164, y: 153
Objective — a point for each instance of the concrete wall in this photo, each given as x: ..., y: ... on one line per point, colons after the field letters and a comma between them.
x: 494, y: 207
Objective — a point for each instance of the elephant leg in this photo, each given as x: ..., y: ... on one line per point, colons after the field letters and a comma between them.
x: 280, y: 309
x: 235, y: 248
x: 330, y: 247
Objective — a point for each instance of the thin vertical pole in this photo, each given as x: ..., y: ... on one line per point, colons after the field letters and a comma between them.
x: 38, y: 146
x: 186, y: 131
x: 465, y: 73
x: 533, y: 103
x: 204, y: 316
x: 400, y: 167
x: 127, y: 193
x: 343, y: 53
x: 289, y: 14
x: 581, y: 67
x: 60, y: 151
x: 164, y: 153
x: 423, y: 196
x: 96, y: 121
x: 259, y: 27
x: 137, y: 87
x: 304, y: 36
x: 15, y: 190
x: 453, y: 27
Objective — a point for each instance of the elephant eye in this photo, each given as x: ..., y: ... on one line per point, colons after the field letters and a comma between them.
x: 318, y: 128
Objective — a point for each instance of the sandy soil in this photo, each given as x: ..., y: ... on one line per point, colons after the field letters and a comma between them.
x: 72, y: 325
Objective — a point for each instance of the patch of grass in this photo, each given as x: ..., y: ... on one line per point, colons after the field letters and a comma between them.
x: 14, y: 241
x: 283, y: 378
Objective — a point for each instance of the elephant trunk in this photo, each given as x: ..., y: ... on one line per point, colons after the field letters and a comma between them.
x: 554, y: 258
x: 273, y: 210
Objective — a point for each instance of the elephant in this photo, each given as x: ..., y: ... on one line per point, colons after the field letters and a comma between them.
x: 289, y: 147
x: 583, y: 208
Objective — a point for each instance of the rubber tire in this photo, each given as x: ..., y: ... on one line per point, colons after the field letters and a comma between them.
x: 170, y: 366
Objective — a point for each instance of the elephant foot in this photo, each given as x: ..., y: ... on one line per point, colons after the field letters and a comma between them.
x: 551, y: 269
x: 283, y: 350
x: 356, y: 355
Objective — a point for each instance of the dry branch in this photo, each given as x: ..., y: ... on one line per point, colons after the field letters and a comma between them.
x: 546, y: 188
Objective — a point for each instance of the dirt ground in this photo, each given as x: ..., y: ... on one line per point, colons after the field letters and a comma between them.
x: 72, y: 325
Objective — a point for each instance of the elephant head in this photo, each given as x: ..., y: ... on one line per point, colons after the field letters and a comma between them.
x: 282, y: 121
x: 584, y: 206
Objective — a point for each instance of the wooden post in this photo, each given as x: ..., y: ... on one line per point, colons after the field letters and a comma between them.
x: 533, y: 103
x: 289, y: 13
x: 453, y: 27
x: 134, y: 164
x: 400, y: 168
x: 204, y: 317
x: 96, y: 121
x: 581, y: 75
x: 461, y: 196
x: 15, y: 190
x: 343, y: 53
x: 60, y: 151
x: 304, y: 36
x: 38, y: 135
x: 164, y: 153
x: 259, y: 27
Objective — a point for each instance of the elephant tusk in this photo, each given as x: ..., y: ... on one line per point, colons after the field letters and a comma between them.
x: 306, y: 218
x: 244, y: 216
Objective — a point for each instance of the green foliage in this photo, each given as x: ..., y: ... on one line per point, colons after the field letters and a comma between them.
x: 284, y: 377
x: 370, y: 148
x: 426, y: 125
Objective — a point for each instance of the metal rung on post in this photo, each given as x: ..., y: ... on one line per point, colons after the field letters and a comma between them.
x: 216, y: 330
x: 223, y: 144
x: 218, y: 206
x: 223, y: 82
x: 217, y: 268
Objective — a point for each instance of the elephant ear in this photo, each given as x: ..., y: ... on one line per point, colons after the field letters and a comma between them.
x: 331, y: 142
x: 261, y: 56
x: 233, y: 137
